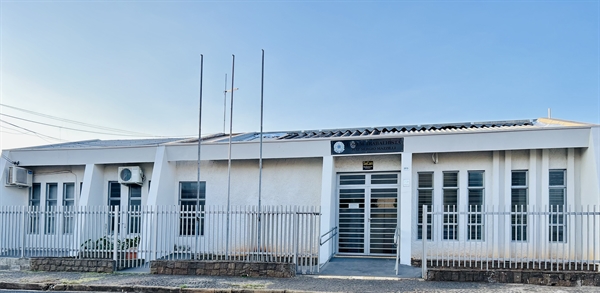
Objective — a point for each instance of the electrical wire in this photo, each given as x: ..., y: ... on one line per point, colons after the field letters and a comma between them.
x: 74, y: 121
x: 130, y: 133
x: 74, y: 129
x: 40, y: 135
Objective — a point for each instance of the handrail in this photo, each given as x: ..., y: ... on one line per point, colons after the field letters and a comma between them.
x: 333, y: 232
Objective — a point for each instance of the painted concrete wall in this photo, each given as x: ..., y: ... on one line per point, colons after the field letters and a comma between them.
x: 355, y: 163
x: 44, y: 175
x: 589, y: 169
x: 10, y: 195
x: 285, y: 182
x: 498, y: 167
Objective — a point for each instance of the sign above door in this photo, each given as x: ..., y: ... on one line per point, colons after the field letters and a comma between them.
x: 367, y: 146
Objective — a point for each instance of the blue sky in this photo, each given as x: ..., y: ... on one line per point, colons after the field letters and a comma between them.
x: 134, y: 65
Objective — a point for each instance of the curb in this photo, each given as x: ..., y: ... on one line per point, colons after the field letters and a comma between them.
x: 133, y: 288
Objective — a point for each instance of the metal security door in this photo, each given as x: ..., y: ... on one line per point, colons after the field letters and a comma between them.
x: 368, y: 207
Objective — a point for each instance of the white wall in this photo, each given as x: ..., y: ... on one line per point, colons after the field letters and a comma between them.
x: 355, y: 163
x: 284, y: 181
x: 589, y: 179
x: 10, y: 195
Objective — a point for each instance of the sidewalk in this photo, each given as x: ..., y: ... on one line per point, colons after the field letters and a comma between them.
x: 121, y: 282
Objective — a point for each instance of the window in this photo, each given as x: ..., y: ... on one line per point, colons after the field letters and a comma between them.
x: 557, y: 201
x: 135, y: 205
x: 425, y: 197
x: 384, y: 179
x: 518, y: 204
x: 352, y: 179
x: 190, y: 202
x: 51, y: 203
x: 34, y: 208
x: 69, y: 205
x: 450, y: 199
x: 475, y: 194
x: 114, y: 200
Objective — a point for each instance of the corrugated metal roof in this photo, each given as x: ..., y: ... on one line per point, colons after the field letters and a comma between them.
x: 408, y: 129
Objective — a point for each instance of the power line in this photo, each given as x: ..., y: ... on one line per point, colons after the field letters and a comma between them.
x: 36, y: 133
x: 74, y: 129
x: 130, y: 133
x: 74, y: 121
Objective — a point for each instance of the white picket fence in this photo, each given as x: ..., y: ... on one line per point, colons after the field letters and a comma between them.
x: 136, y: 236
x: 553, y: 238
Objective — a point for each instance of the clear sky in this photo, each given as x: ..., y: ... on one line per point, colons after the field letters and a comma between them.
x: 134, y: 65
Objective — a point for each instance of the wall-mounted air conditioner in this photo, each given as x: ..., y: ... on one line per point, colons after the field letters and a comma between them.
x: 18, y: 176
x: 131, y: 175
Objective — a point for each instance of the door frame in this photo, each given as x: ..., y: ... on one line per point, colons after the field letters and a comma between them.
x: 367, y: 186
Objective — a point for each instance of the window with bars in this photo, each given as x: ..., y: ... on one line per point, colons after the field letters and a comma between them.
x: 134, y: 208
x: 114, y: 200
x: 51, y: 205
x: 557, y: 201
x: 68, y: 207
x: 35, y: 194
x: 450, y: 202
x: 518, y: 204
x: 190, y: 221
x: 476, y: 190
x: 425, y: 197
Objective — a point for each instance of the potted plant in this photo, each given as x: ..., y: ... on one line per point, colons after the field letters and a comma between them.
x: 130, y: 246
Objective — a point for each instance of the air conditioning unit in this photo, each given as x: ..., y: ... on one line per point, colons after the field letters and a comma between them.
x: 131, y: 175
x: 18, y: 176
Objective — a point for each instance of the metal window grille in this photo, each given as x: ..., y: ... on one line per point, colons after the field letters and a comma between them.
x: 476, y: 191
x: 425, y: 197
x: 519, y: 201
x: 450, y: 201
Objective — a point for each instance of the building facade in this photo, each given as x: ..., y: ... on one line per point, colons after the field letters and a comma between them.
x: 370, y: 183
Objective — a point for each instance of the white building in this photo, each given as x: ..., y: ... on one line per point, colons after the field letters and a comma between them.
x: 366, y: 181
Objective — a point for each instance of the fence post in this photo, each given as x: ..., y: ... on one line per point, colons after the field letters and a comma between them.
x: 424, y: 242
x: 296, y: 231
x: 24, y: 231
x: 116, y: 233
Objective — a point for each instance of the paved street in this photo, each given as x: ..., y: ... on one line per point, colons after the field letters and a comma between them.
x: 300, y: 283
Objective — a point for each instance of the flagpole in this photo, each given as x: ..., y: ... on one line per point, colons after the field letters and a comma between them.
x: 260, y: 160
x: 229, y: 158
x: 225, y: 103
x: 198, y: 217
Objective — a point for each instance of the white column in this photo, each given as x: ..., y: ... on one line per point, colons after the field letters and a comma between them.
x: 406, y: 209
x: 545, y: 180
x: 328, y: 207
x: 92, y: 191
x: 534, y: 195
x: 496, y: 176
x: 506, y: 203
x: 571, y: 179
x: 163, y: 190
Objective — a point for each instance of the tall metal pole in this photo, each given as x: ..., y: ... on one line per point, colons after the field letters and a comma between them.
x: 229, y: 159
x: 260, y: 160
x: 224, y: 103
x: 198, y: 216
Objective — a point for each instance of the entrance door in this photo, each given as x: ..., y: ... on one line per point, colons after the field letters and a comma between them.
x: 368, y: 213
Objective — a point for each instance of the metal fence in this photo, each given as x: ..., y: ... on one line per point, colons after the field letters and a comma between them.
x: 138, y: 235
x: 553, y: 238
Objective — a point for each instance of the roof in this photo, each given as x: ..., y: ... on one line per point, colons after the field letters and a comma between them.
x: 464, y: 127
x: 105, y: 143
